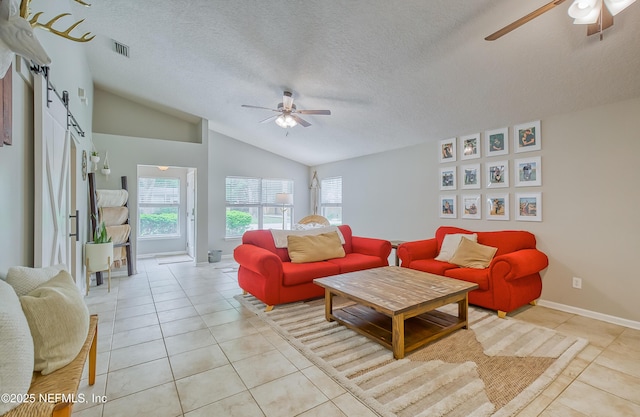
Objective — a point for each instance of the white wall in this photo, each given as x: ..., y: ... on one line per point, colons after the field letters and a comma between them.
x: 69, y: 71
x: 126, y: 153
x: 229, y: 157
x: 590, y: 202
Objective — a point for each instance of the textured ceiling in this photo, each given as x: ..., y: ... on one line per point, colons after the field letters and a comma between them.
x: 393, y: 73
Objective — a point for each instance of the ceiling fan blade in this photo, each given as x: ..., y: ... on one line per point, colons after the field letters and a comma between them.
x: 300, y: 121
x: 327, y: 112
x: 269, y: 119
x: 605, y: 20
x: 523, y: 20
x: 258, y: 107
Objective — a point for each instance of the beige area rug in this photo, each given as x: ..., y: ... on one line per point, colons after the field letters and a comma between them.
x: 173, y: 259
x: 494, y: 369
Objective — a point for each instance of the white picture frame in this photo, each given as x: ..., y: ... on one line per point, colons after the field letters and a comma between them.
x: 529, y: 207
x: 528, y: 172
x: 470, y: 177
x: 497, y: 174
x: 470, y: 146
x: 497, y: 206
x: 448, y: 150
x: 448, y: 206
x: 448, y: 178
x: 471, y: 206
x: 527, y: 137
x: 496, y: 142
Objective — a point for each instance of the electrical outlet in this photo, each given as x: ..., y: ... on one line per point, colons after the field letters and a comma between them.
x: 577, y: 283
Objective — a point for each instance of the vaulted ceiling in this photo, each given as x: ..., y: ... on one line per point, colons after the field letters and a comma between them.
x: 393, y: 73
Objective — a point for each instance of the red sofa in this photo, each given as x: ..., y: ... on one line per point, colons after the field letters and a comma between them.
x: 511, y: 280
x: 267, y: 272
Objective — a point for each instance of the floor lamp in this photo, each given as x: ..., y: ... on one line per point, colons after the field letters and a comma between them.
x: 286, y: 199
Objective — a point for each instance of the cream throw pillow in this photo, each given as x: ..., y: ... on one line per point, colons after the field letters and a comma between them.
x: 472, y: 254
x: 314, y: 248
x: 450, y: 244
x: 16, y: 348
x: 24, y: 279
x: 59, y: 322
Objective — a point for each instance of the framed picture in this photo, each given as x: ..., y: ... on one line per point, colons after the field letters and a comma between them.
x: 528, y: 172
x: 497, y: 206
x: 529, y: 207
x: 526, y: 137
x: 448, y: 178
x: 471, y: 206
x: 470, y: 146
x: 448, y: 206
x: 448, y: 150
x: 497, y: 174
x: 497, y: 142
x: 470, y: 175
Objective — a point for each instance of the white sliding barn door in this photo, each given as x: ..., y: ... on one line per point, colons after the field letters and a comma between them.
x: 52, y: 182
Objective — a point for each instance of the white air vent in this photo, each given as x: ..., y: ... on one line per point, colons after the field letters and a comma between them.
x: 121, y: 48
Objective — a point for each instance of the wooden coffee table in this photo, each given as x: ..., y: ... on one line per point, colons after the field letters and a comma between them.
x: 397, y: 306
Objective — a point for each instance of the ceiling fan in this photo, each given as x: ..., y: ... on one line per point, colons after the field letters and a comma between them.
x: 288, y: 113
x: 586, y: 12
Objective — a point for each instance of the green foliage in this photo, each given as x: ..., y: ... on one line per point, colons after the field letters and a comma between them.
x: 100, y: 234
x: 238, y: 222
x: 163, y: 222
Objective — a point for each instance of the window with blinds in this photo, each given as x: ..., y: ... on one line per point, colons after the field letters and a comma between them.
x: 158, y: 207
x: 331, y: 199
x: 252, y: 204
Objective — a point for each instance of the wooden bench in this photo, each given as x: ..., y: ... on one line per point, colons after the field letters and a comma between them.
x: 61, y: 384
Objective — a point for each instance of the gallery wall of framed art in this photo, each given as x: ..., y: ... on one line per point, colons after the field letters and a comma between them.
x: 484, y: 161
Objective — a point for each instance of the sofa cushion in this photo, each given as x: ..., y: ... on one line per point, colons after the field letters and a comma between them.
x: 450, y: 245
x: 296, y: 274
x: 59, y: 321
x: 357, y: 262
x: 431, y: 266
x: 478, y: 276
x: 24, y: 279
x: 281, y: 237
x: 324, y: 246
x: 508, y: 241
x: 472, y: 255
x: 16, y: 347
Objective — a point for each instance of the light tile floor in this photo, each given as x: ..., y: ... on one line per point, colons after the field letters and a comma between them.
x: 173, y: 342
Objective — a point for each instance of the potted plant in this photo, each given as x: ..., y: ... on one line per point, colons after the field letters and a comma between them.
x: 105, y: 167
x: 99, y: 252
x: 95, y: 157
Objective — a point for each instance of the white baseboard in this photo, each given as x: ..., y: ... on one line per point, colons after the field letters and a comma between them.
x: 591, y: 314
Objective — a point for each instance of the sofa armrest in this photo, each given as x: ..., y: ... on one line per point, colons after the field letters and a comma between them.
x: 518, y: 264
x: 418, y: 249
x: 258, y: 260
x: 371, y: 246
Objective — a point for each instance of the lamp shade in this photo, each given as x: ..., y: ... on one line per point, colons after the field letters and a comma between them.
x: 284, y: 198
x: 616, y: 6
x: 581, y: 9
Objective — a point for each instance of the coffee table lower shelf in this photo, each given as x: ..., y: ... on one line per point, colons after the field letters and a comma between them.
x: 418, y: 330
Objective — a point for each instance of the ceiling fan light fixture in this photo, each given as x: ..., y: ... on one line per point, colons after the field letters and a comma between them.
x: 584, y: 9
x: 285, y: 121
x: 616, y: 6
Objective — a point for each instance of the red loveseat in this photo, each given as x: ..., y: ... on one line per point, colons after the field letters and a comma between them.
x: 267, y: 272
x: 511, y: 280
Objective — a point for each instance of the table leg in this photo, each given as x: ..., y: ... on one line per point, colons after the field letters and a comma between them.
x: 328, y: 304
x: 397, y: 335
x: 463, y: 311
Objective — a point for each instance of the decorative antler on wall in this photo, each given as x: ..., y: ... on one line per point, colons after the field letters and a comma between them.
x: 16, y: 33
x: 25, y: 12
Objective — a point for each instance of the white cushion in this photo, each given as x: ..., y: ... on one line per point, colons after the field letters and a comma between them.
x: 24, y: 279
x: 59, y: 322
x: 450, y: 244
x: 16, y: 347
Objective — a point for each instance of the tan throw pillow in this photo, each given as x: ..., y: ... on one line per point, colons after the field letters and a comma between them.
x: 473, y: 255
x: 450, y: 244
x: 314, y: 248
x: 59, y: 322
x: 24, y: 279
